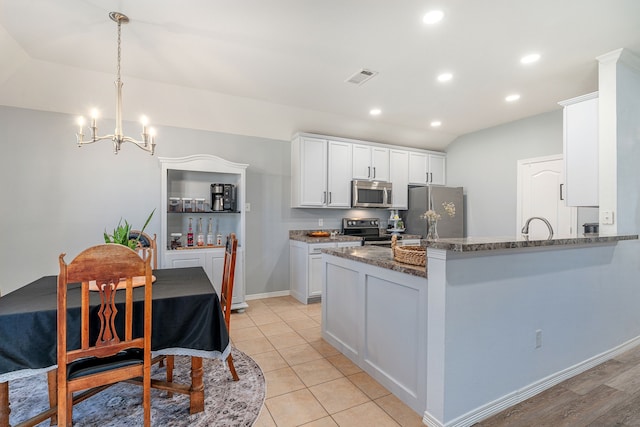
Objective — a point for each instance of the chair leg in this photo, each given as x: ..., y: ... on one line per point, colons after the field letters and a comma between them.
x: 4, y: 404
x: 232, y: 368
x: 52, y: 382
x: 170, y: 364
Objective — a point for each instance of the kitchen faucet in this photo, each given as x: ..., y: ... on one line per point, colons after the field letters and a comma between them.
x: 525, y: 229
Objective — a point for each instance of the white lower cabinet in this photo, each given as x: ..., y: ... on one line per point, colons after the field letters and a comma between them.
x: 304, y: 268
x: 212, y: 260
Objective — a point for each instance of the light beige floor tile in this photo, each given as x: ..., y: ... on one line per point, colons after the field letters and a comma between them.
x: 324, y: 348
x: 346, y: 366
x: 254, y: 346
x: 282, y: 381
x: 241, y: 321
x: 264, y: 419
x: 322, y: 422
x: 294, y: 409
x: 312, y: 309
x: 279, y: 302
x: 299, y: 354
x: 368, y: 385
x: 256, y: 306
x: 400, y: 412
x: 286, y: 340
x: 316, y: 372
x: 311, y: 335
x: 338, y: 395
x: 317, y: 318
x: 290, y: 313
x: 276, y: 328
x: 244, y: 334
x: 365, y: 415
x: 264, y: 318
x: 303, y: 323
x: 269, y: 361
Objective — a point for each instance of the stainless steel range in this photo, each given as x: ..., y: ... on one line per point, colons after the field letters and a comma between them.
x: 368, y: 229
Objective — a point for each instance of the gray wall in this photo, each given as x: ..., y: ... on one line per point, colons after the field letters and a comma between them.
x: 57, y: 197
x: 485, y: 164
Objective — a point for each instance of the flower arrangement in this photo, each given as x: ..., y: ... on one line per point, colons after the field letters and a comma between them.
x: 431, y: 215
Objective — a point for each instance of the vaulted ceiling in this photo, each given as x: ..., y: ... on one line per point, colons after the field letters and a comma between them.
x: 293, y: 57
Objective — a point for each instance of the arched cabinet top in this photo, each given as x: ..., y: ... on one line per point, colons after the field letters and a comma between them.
x: 202, y: 162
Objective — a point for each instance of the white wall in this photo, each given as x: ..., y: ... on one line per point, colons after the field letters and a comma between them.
x: 485, y: 164
x: 57, y: 197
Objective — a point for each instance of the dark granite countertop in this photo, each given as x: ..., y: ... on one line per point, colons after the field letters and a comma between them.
x: 377, y: 256
x: 302, y: 236
x: 475, y: 244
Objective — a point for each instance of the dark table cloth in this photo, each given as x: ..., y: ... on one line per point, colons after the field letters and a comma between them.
x: 186, y: 314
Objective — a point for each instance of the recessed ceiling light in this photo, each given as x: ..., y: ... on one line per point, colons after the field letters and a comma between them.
x: 445, y: 77
x: 436, y: 123
x: 375, y: 111
x: 529, y: 59
x: 433, y: 17
x: 512, y: 98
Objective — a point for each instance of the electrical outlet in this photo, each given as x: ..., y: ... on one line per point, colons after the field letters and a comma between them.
x: 606, y: 217
x: 539, y: 338
x: 320, y: 222
x: 247, y: 207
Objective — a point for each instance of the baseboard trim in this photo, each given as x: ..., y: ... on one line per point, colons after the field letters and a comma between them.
x: 268, y: 295
x: 531, y: 390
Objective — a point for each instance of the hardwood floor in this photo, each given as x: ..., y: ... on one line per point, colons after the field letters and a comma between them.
x: 606, y: 395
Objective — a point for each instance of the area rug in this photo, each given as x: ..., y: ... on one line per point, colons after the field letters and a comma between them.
x: 228, y: 403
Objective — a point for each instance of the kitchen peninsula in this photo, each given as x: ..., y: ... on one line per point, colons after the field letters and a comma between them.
x: 488, y: 323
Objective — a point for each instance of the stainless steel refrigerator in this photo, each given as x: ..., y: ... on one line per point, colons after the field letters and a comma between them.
x: 432, y: 197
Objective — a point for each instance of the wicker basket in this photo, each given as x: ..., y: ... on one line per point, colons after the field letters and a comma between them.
x: 414, y: 255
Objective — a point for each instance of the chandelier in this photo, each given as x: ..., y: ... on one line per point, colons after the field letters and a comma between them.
x: 147, y: 143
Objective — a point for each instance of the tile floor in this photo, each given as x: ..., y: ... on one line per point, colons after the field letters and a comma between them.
x: 309, y: 383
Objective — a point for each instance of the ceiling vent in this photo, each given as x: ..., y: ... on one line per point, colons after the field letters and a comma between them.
x: 361, y: 76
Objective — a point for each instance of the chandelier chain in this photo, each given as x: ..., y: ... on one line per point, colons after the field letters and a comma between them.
x: 119, y: 30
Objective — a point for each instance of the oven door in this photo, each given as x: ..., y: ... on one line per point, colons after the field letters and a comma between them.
x: 371, y: 194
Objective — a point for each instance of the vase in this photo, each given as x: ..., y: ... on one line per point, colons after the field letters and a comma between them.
x: 432, y: 230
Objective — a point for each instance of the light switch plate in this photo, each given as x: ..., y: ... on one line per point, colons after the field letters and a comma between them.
x: 606, y: 217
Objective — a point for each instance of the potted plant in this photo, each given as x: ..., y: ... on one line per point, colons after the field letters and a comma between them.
x: 120, y: 234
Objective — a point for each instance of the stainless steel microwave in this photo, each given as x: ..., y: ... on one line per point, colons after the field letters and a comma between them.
x: 371, y: 194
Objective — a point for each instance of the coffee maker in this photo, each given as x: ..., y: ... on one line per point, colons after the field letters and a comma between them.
x: 229, y: 197
x: 217, y: 197
x: 223, y: 197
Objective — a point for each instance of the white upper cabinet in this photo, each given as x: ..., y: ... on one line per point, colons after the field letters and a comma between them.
x: 581, y: 150
x: 322, y: 168
x: 339, y: 175
x: 427, y: 168
x: 320, y: 173
x: 370, y: 162
x: 399, y: 177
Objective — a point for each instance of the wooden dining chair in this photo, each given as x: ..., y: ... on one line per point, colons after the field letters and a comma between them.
x: 226, y: 296
x: 106, y: 355
x: 146, y: 241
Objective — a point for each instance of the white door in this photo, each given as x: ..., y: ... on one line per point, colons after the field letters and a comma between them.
x: 436, y: 169
x: 380, y: 163
x: 417, y: 168
x: 313, y: 184
x: 399, y: 177
x: 339, y: 175
x: 361, y: 162
x: 541, y: 193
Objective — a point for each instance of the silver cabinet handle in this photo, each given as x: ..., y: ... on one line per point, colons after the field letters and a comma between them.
x: 561, y: 197
x: 374, y: 172
x: 427, y: 178
x: 329, y: 197
x: 324, y: 197
x: 368, y: 171
x: 431, y: 176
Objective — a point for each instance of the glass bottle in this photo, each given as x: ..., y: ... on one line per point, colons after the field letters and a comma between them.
x: 218, y: 235
x: 200, y: 235
x: 210, y: 240
x: 190, y: 234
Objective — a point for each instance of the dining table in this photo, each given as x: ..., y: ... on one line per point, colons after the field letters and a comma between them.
x: 187, y: 320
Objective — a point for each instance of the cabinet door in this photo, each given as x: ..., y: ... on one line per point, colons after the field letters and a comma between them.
x: 436, y: 169
x: 362, y: 162
x: 399, y: 177
x: 313, y: 159
x: 581, y: 153
x: 417, y: 168
x: 380, y: 163
x: 315, y: 275
x: 339, y: 175
x: 215, y: 268
x: 183, y: 259
x: 298, y: 256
